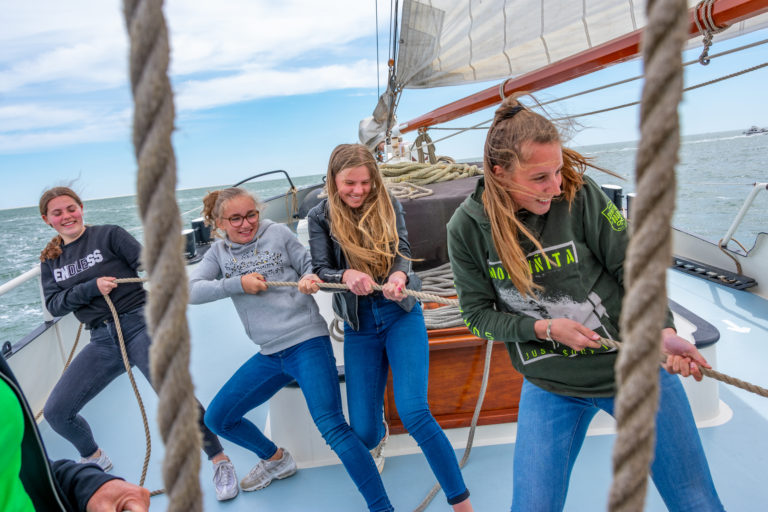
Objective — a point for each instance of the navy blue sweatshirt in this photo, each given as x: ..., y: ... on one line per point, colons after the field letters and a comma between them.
x: 69, y: 281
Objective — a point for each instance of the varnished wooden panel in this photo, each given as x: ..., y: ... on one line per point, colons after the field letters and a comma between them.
x: 456, y: 360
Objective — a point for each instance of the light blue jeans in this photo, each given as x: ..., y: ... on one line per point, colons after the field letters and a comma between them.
x: 390, y: 336
x: 312, y: 365
x: 551, y: 430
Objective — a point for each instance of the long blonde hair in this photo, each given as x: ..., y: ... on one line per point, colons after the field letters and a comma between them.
x: 53, y: 249
x: 213, y: 204
x: 367, y: 234
x: 513, y: 126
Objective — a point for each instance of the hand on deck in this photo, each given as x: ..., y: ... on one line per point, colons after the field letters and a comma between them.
x: 568, y: 332
x: 359, y: 283
x: 253, y: 283
x: 308, y: 284
x: 682, y: 356
x: 117, y: 496
x: 394, y: 289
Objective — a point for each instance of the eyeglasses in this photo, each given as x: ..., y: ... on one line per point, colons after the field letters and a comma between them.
x: 237, y: 220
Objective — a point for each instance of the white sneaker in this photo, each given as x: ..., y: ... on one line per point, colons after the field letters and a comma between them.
x: 101, y: 459
x: 378, y: 458
x: 262, y: 474
x: 225, y: 480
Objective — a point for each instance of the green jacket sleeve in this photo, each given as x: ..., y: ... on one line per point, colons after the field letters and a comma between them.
x: 477, y: 297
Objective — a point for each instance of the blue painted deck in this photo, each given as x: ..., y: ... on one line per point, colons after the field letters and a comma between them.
x: 737, y: 450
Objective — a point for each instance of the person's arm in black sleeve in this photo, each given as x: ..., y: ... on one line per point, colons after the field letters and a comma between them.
x: 59, y: 300
x: 78, y: 481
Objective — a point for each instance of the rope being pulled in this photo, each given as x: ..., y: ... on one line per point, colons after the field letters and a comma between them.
x: 712, y: 374
x: 428, y: 297
x: 153, y: 119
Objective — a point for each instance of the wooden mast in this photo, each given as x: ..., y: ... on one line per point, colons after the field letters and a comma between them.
x: 725, y: 12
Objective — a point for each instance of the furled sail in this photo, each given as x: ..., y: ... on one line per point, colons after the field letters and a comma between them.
x: 449, y: 42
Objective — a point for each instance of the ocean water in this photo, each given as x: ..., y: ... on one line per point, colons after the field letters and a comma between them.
x: 715, y: 174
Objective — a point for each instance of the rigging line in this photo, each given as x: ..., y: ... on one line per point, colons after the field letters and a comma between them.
x: 630, y: 79
x: 606, y: 86
x: 600, y: 111
x: 687, y: 89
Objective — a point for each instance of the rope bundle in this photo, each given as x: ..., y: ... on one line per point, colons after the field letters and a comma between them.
x: 424, y: 174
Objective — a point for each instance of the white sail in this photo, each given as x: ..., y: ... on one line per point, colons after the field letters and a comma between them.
x: 449, y: 42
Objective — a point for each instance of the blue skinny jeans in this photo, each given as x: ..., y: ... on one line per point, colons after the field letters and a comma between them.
x: 550, y: 432
x: 312, y: 365
x: 390, y: 336
x: 98, y: 364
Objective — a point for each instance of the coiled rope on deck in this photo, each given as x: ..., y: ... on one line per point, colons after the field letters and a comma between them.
x: 424, y: 174
x: 162, y: 255
x: 648, y: 254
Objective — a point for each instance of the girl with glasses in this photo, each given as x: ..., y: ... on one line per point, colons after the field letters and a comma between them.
x: 292, y: 337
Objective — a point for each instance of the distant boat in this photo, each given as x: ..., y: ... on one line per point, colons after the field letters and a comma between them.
x: 754, y: 130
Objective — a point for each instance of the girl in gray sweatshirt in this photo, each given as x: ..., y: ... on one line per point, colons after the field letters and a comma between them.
x: 292, y: 336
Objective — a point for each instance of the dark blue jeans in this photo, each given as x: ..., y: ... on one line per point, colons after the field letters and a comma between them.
x: 551, y: 430
x: 98, y: 364
x: 390, y: 336
x: 312, y: 365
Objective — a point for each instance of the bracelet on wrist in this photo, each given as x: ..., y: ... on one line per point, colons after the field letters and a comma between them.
x: 549, y: 331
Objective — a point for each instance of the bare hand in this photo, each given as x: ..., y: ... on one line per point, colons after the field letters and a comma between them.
x: 117, y: 496
x: 308, y: 284
x: 359, y: 283
x: 568, y: 332
x: 253, y: 283
x: 106, y: 284
x: 682, y: 357
x: 394, y: 289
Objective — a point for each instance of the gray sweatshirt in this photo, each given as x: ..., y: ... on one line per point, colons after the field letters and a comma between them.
x: 277, y: 318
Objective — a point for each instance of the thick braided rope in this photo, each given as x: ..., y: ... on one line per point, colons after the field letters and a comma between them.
x: 163, y: 256
x: 712, y: 374
x: 648, y: 254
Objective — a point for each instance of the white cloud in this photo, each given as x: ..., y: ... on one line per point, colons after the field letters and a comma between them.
x: 25, y: 117
x: 93, y: 128
x: 263, y: 83
x: 222, y: 53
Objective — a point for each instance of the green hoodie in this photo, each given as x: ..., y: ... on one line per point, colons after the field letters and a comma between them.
x: 582, y: 279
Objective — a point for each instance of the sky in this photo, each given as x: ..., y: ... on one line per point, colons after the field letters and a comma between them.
x: 261, y: 85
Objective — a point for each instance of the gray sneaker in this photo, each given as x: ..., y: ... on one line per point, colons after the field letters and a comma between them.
x: 378, y: 458
x: 225, y: 480
x: 102, y: 460
x: 262, y: 474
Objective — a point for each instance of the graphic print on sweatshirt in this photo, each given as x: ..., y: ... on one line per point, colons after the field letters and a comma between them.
x: 589, y: 313
x: 267, y: 263
x: 79, y: 266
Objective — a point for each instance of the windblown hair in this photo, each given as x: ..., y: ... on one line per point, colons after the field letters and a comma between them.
x: 213, y: 205
x: 513, y: 127
x: 53, y: 249
x: 367, y: 234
